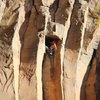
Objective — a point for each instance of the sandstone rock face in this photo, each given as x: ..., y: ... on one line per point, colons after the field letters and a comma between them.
x: 49, y: 49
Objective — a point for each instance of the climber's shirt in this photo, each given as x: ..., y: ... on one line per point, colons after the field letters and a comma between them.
x: 53, y: 47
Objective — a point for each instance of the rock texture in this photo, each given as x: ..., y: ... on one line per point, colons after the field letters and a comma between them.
x: 52, y: 75
x: 49, y: 49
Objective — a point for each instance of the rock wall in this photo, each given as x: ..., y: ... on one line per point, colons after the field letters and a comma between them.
x: 49, y: 49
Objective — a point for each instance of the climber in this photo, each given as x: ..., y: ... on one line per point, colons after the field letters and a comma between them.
x: 52, y: 48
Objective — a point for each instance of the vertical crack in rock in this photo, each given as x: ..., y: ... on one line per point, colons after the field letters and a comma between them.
x: 66, y: 28
x: 89, y: 89
x: 16, y: 46
x: 97, y: 83
x: 61, y: 12
x: 71, y: 51
x: 90, y: 82
x: 77, y: 84
x: 40, y: 54
x: 51, y: 23
x: 90, y: 33
x: 52, y: 69
x: 85, y: 58
x: 41, y: 51
x: 28, y: 65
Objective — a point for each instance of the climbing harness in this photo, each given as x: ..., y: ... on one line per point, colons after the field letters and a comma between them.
x: 49, y: 51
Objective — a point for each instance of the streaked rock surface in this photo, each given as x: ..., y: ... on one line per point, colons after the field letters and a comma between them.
x: 30, y: 69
